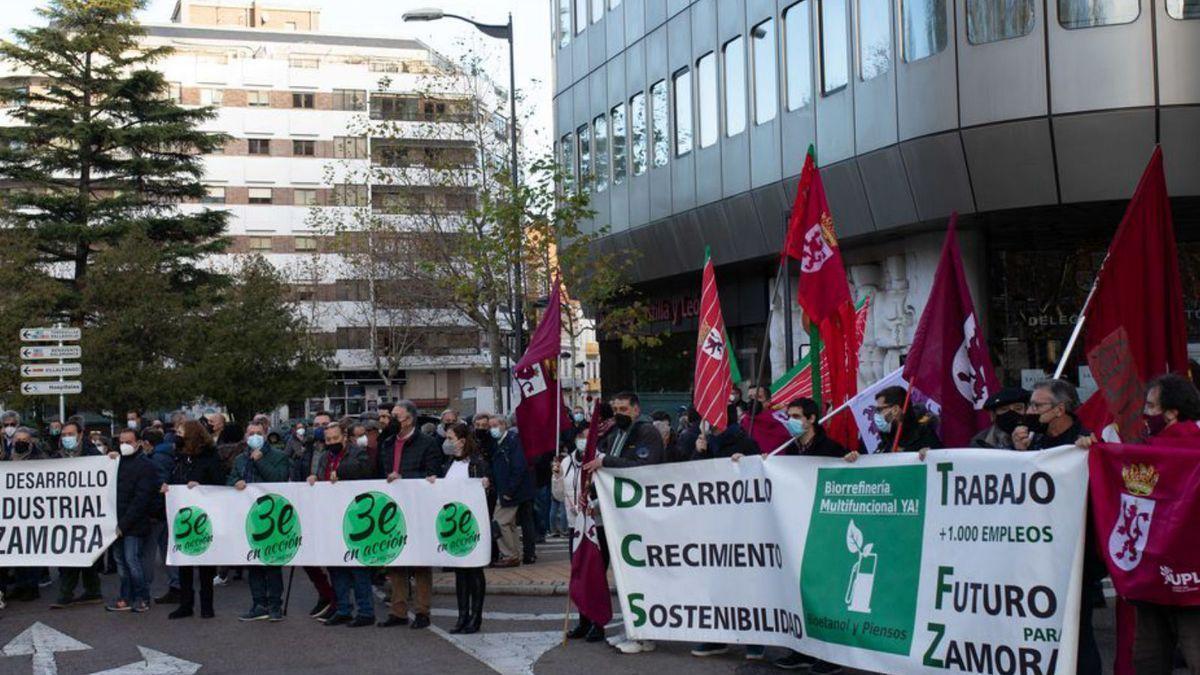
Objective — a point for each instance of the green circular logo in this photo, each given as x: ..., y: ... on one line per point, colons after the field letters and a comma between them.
x: 457, y: 529
x: 193, y: 530
x: 373, y: 529
x: 272, y: 530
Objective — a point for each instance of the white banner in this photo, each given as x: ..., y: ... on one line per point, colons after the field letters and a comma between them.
x: 57, y: 512
x: 970, y: 561
x: 369, y: 523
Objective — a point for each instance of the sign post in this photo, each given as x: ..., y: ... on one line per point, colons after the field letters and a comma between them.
x: 60, y: 335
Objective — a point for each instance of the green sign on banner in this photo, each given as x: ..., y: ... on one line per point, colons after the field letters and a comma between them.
x: 373, y: 529
x: 193, y: 530
x: 862, y: 558
x: 272, y: 530
x: 457, y: 529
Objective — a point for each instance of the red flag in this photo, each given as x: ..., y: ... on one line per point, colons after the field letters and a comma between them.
x: 536, y: 375
x: 589, y: 579
x: 949, y: 361
x: 1138, y: 287
x: 797, y: 382
x: 824, y: 293
x: 712, y: 378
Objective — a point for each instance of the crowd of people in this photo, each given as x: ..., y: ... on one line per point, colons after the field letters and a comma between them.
x: 527, y: 502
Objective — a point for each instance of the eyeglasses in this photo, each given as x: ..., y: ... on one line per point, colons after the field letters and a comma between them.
x: 1041, y: 405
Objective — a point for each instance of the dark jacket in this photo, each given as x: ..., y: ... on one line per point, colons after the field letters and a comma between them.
x: 641, y: 446
x: 477, y: 467
x: 305, y: 463
x: 421, y: 456
x: 1068, y: 437
x: 163, y: 459
x: 685, y: 445
x: 918, y: 433
x: 354, y: 464
x: 732, y: 441
x: 204, y: 468
x: 821, y: 445
x: 273, y: 467
x: 992, y: 437
x: 510, y: 475
x: 137, y: 488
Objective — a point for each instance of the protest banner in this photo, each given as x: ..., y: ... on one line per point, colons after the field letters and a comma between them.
x: 371, y: 523
x: 57, y: 512
x: 970, y: 561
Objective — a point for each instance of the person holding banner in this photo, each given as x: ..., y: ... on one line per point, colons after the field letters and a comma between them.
x: 900, y: 427
x: 196, y: 463
x: 72, y: 445
x: 808, y: 434
x: 136, y: 481
x: 463, y: 461
x: 1050, y: 419
x: 261, y: 463
x: 1005, y: 408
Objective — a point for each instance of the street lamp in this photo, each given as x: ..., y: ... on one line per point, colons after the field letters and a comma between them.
x: 502, y: 32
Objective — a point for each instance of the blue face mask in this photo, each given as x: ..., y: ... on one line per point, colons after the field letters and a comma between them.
x: 319, y: 434
x: 881, y: 424
x: 496, y: 432
x: 578, y: 417
x: 255, y: 442
x: 70, y: 442
x: 796, y: 427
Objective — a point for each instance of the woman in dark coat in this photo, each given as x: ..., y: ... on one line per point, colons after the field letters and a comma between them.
x: 463, y: 461
x: 196, y: 463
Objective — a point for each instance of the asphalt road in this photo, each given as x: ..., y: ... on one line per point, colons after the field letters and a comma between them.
x: 520, y: 635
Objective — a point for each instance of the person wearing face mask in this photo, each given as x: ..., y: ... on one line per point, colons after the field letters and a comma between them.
x: 162, y: 456
x: 1049, y: 418
x: 1006, y: 408
x: 689, y: 432
x: 514, y: 487
x: 661, y: 420
x: 10, y: 420
x: 72, y: 445
x: 133, y: 421
x: 893, y: 418
x: 462, y: 462
x: 196, y: 463
x: 305, y: 447
x: 137, y: 484
x: 258, y: 462
x: 732, y: 441
x: 53, y: 434
x: 566, y: 484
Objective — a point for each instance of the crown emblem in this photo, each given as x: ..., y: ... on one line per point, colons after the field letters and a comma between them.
x: 1140, y: 479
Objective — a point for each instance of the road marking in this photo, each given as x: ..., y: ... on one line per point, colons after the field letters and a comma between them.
x: 505, y: 653
x: 154, y: 663
x: 42, y: 642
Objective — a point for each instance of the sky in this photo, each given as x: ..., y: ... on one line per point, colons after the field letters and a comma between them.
x: 451, y: 38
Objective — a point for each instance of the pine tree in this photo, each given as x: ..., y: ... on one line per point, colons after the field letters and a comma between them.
x: 98, y: 148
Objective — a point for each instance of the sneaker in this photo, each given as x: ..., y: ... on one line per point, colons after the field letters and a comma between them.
x: 794, y: 661
x: 118, y: 606
x: 756, y: 653
x: 420, y: 621
x: 318, y: 609
x: 615, y: 640
x: 255, y: 614
x: 140, y: 607
x: 636, y: 646
x: 328, y: 614
x: 45, y: 581
x: 219, y: 580
x: 276, y: 616
x: 339, y: 620
x: 709, y: 649
x: 62, y: 603
x: 825, y: 668
x: 580, y: 631
x: 88, y: 599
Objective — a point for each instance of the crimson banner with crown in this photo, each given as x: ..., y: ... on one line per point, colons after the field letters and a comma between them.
x: 1144, y: 500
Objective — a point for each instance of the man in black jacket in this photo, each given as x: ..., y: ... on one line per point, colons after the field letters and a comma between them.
x: 409, y: 454
x: 73, y: 444
x: 635, y: 442
x: 137, y: 488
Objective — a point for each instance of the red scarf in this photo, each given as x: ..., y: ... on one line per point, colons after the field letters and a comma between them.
x: 398, y: 450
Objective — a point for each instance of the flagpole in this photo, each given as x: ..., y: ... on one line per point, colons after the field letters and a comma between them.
x: 1062, y: 362
x: 762, y: 355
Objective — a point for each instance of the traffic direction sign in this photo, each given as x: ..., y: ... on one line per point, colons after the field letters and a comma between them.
x: 55, y: 334
x: 55, y: 388
x: 51, y: 352
x: 51, y: 370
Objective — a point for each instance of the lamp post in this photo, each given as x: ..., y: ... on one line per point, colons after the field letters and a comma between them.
x: 504, y: 32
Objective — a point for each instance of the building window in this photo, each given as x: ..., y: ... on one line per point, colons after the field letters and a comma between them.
x: 213, y: 194
x: 306, y: 244
x: 259, y: 195
x: 564, y: 23
x: 302, y: 100
x: 766, y: 93
x: 734, y: 56
x: 600, y: 131
x: 260, y: 244
x: 681, y: 82
x: 993, y: 20
x: 658, y: 124
x: 637, y: 140
x: 581, y: 11
x: 1092, y: 13
x: 350, y: 195
x: 797, y: 55
x: 304, y: 61
x: 175, y: 92
x: 304, y: 148
x: 597, y: 10
x: 1183, y: 9
x: 874, y: 39
x: 567, y: 147
x: 212, y: 96
x: 349, y: 99
x: 304, y: 197
x: 835, y: 69
x: 584, y: 136
x: 924, y: 25
x: 257, y: 98
x: 708, y: 109
x: 617, y: 115
x: 349, y: 147
x: 258, y: 146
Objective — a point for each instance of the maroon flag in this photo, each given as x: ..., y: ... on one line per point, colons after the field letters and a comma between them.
x: 589, y: 578
x: 536, y: 375
x: 1144, y: 504
x: 713, y: 381
x: 949, y: 361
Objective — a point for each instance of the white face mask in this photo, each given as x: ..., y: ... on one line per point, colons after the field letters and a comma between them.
x: 127, y: 449
x: 361, y: 441
x: 449, y: 448
x: 581, y: 444
x: 132, y: 424
x: 300, y: 433
x: 9, y: 431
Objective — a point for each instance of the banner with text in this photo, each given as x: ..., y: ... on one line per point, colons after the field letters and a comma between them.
x: 59, y: 512
x: 970, y: 561
x: 350, y: 523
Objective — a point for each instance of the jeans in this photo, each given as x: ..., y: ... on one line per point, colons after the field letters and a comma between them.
x: 541, y: 510
x: 128, y: 554
x: 266, y: 587
x: 358, y: 578
x: 558, y: 517
x: 160, y: 537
